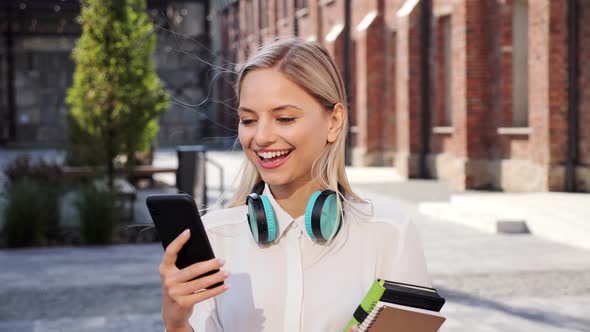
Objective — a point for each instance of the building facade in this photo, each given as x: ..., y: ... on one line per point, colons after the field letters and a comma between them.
x: 481, y: 94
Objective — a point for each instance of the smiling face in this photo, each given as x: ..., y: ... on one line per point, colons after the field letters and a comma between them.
x: 282, y: 129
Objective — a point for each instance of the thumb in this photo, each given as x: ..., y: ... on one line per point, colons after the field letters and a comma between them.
x: 354, y: 328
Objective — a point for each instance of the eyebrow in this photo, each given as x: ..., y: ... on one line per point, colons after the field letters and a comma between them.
x: 274, y: 109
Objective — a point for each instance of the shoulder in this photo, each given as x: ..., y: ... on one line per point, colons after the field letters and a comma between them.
x: 364, y: 216
x: 225, y: 219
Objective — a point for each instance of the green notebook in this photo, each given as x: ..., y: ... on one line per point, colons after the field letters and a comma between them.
x: 398, y: 294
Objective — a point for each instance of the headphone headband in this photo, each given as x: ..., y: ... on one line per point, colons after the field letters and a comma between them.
x: 259, y: 188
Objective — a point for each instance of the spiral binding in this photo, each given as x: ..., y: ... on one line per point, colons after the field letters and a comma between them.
x: 372, y: 317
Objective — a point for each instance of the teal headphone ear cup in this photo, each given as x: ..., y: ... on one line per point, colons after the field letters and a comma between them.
x: 308, y: 214
x: 270, y: 219
x: 330, y: 218
x: 261, y: 218
x: 253, y: 221
x: 322, y: 220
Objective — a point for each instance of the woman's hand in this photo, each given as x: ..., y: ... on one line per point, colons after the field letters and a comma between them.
x: 180, y: 292
x: 353, y: 328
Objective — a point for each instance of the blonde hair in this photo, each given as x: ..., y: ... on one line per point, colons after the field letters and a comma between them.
x: 309, y: 65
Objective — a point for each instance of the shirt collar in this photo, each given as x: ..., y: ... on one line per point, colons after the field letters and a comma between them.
x: 282, y: 218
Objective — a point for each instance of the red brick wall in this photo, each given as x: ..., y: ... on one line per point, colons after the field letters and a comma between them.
x: 443, y: 142
x: 558, y: 86
x: 332, y: 14
x: 388, y: 55
x: 505, y: 28
x: 308, y: 21
x: 370, y: 79
x: 268, y: 34
x: 584, y: 83
x: 408, y: 98
x: 389, y: 114
x: 499, y: 61
x: 390, y: 117
x: 360, y: 8
x: 459, y: 80
x: 438, y: 114
x: 549, y: 86
x: 284, y: 25
x: 477, y: 112
x: 539, y: 80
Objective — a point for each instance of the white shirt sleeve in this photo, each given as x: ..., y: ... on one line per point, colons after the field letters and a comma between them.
x: 408, y: 265
x: 205, y: 318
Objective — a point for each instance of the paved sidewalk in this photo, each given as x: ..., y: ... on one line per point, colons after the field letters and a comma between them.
x: 114, y: 288
x: 497, y: 282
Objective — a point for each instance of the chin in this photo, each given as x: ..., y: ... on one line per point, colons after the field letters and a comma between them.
x: 274, y: 179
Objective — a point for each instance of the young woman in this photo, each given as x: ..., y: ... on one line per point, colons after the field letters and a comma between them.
x: 301, y: 246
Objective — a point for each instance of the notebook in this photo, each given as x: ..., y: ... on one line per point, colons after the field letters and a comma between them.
x: 394, y: 306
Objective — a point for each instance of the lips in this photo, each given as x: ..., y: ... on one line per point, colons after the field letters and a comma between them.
x: 273, y: 159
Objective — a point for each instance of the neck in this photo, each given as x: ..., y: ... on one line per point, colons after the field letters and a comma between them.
x: 293, y: 197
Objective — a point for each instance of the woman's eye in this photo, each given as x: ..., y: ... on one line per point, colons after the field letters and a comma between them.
x: 246, y: 121
x: 285, y: 120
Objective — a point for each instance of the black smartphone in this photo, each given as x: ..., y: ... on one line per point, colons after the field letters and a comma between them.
x: 174, y: 213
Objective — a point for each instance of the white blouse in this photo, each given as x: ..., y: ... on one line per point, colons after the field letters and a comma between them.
x: 296, y: 284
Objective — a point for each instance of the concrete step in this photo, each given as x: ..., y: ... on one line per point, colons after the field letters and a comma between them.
x: 560, y: 217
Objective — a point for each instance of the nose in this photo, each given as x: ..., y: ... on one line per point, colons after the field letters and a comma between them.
x: 265, y: 134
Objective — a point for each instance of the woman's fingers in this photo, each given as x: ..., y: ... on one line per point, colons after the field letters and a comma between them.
x: 172, y: 250
x: 202, y: 283
x: 201, y: 296
x: 197, y: 269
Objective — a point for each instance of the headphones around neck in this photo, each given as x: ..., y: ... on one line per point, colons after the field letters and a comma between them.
x: 322, y: 220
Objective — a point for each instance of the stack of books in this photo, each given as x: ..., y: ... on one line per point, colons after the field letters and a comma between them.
x: 393, y: 307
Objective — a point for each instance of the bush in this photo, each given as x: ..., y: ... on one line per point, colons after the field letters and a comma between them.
x: 41, y: 171
x: 99, y: 215
x: 31, y: 213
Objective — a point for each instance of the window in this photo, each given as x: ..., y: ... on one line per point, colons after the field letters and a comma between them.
x: 444, y: 70
x: 520, y: 63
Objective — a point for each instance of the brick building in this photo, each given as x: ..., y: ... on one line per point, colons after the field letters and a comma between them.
x: 482, y: 94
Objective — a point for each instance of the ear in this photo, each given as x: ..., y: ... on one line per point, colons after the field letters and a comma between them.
x: 337, y: 117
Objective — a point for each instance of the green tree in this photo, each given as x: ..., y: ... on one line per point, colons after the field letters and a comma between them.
x: 116, y: 96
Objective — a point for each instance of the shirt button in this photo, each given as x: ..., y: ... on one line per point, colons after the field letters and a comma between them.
x: 297, y: 230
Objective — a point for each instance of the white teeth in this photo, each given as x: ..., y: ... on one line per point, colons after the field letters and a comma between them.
x: 273, y: 154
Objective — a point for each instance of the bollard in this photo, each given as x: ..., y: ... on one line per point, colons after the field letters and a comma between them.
x: 191, y: 173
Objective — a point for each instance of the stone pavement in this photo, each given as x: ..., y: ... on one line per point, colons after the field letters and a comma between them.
x: 112, y: 288
x: 497, y: 282
x: 492, y: 282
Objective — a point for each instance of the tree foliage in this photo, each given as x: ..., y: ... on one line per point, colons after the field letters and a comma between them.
x: 116, y: 96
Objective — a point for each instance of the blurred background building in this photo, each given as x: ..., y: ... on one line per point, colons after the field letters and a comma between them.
x: 481, y: 94
x: 36, y: 68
